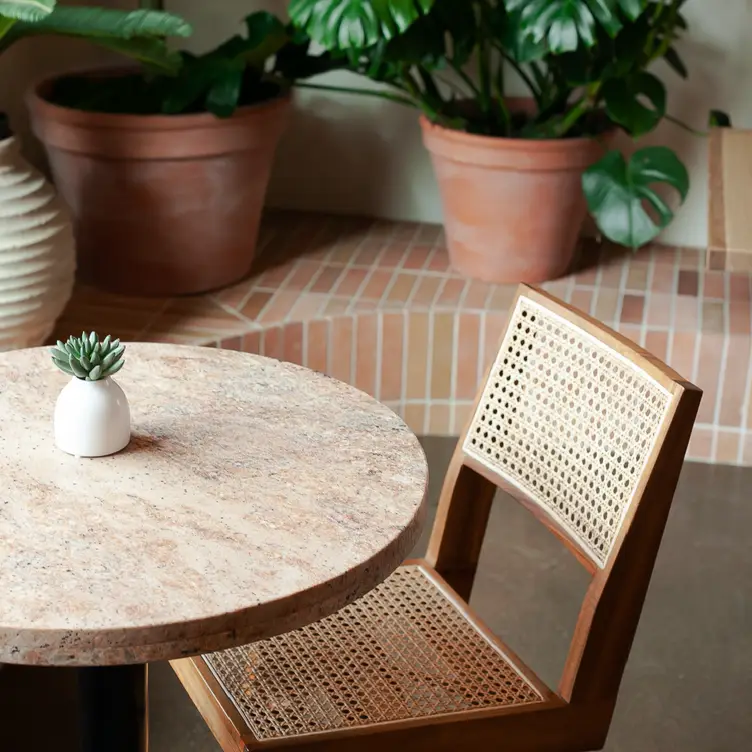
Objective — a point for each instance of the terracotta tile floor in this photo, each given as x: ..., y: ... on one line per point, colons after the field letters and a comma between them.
x: 376, y: 303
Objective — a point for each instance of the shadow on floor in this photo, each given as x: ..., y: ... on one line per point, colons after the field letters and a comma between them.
x: 689, y: 678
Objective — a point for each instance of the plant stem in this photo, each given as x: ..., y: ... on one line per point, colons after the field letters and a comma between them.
x: 363, y: 92
x: 575, y: 113
x: 467, y: 80
x: 484, y: 76
x: 534, y: 90
x: 689, y: 128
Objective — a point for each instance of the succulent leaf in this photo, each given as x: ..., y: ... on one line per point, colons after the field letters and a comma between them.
x: 87, y: 357
x: 114, y: 368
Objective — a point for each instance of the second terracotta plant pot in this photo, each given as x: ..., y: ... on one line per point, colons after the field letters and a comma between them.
x: 162, y: 205
x: 513, y: 208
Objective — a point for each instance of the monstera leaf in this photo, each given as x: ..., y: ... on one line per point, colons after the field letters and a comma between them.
x: 637, y: 103
x: 26, y: 10
x: 567, y: 24
x: 138, y: 34
x: 348, y: 24
x: 618, y: 191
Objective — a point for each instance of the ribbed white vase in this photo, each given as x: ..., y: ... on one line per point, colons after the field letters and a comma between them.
x: 37, y: 252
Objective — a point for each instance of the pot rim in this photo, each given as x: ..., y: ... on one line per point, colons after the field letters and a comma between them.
x: 40, y: 106
x: 509, y: 142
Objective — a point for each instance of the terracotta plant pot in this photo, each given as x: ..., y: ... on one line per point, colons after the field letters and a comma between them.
x: 162, y: 204
x: 513, y: 208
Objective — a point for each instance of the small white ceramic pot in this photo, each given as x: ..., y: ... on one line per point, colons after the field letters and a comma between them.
x: 92, y: 418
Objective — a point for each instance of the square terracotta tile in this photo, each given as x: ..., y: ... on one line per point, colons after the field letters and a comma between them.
x: 393, y: 255
x: 417, y: 256
x: 606, y: 305
x: 417, y: 356
x: 366, y: 353
x: 656, y: 343
x: 251, y: 342
x: 292, y: 343
x: 376, y: 284
x: 664, y: 278
x: 686, y: 314
x: 477, y: 295
x: 461, y: 417
x: 438, y: 261
x: 701, y: 445
x: 682, y: 358
x: 349, y: 283
x: 739, y: 287
x: 466, y: 377
x: 327, y: 278
x: 341, y: 353
x: 401, y: 288
x: 709, y: 374
x: 713, y: 317
x: 426, y: 291
x: 440, y: 420
x: 255, y: 304
x: 415, y: 415
x: 714, y: 285
x: 442, y: 355
x: 452, y: 292
x: 272, y: 343
x: 659, y: 309
x: 727, y: 448
x: 612, y: 274
x: 493, y: 329
x: 637, y: 276
x: 317, y: 346
x: 632, y: 309
x: 582, y: 300
x: 736, y: 382
x: 689, y: 282
x: 393, y: 333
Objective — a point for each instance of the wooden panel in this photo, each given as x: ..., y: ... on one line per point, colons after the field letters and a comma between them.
x: 729, y: 218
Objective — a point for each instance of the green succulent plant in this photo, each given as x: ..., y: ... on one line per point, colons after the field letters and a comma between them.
x: 87, y: 358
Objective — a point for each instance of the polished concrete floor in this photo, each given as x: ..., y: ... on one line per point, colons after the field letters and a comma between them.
x: 688, y: 684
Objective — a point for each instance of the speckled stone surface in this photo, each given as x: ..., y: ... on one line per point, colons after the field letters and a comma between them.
x: 255, y: 496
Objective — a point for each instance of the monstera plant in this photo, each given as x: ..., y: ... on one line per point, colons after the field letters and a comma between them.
x: 201, y: 135
x: 587, y: 66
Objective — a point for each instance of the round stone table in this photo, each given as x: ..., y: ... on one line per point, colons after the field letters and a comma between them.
x: 254, y: 497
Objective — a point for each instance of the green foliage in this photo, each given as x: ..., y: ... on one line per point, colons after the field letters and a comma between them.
x: 243, y: 70
x: 138, y: 34
x: 347, y: 24
x: 586, y: 63
x: 87, y: 358
x: 618, y: 191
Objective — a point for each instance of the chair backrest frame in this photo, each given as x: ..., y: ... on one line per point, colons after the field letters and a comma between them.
x: 611, y: 609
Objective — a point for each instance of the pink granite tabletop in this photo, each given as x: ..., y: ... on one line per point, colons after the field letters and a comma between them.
x: 255, y: 497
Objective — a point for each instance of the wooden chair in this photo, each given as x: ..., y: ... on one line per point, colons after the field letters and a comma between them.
x: 589, y: 433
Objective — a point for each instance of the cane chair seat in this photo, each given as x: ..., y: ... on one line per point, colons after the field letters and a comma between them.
x: 405, y: 651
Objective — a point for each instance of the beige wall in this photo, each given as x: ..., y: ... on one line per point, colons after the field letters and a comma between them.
x: 358, y: 155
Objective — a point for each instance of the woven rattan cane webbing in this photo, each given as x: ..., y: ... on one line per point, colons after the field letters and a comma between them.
x: 569, y: 421
x: 402, y: 651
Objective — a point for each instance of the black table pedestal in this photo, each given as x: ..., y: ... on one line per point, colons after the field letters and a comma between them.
x: 114, y: 708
